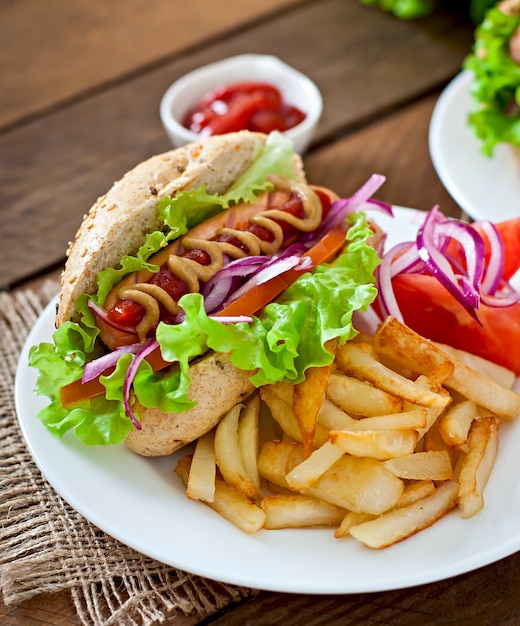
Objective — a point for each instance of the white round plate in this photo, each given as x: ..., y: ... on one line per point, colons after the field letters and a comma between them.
x: 142, y: 503
x: 486, y: 188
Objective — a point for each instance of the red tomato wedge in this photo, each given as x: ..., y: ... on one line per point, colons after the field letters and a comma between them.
x: 249, y: 303
x: 510, y: 234
x: 509, y: 231
x: 431, y: 311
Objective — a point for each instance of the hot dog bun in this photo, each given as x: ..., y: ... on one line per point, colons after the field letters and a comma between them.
x: 117, y: 225
x: 118, y: 222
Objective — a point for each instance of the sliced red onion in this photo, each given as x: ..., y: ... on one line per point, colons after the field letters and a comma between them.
x: 398, y: 260
x: 95, y: 368
x: 467, y: 278
x: 146, y: 348
x: 341, y: 209
x: 429, y: 244
x: 495, y: 265
x: 102, y: 315
x: 231, y: 319
x: 271, y: 271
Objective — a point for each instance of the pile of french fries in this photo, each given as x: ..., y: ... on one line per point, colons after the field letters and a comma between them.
x: 398, y: 432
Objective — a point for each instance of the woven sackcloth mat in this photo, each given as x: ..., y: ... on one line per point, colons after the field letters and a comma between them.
x: 46, y: 546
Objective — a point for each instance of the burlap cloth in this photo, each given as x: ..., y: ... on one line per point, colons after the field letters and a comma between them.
x: 46, y: 546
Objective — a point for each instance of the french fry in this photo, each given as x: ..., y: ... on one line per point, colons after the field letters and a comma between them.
x: 249, y: 439
x: 415, y: 490
x: 454, y: 425
x: 356, y: 360
x: 403, y: 522
x: 331, y: 417
x: 375, y: 444
x: 231, y: 504
x: 477, y: 465
x: 282, y: 412
x: 395, y: 338
x: 360, y: 398
x: 277, y: 459
x: 201, y: 479
x: 433, y: 465
x: 497, y: 373
x: 306, y: 403
x: 308, y: 472
x: 299, y: 511
x: 412, y: 419
x: 356, y: 484
x: 351, y: 519
x: 229, y: 456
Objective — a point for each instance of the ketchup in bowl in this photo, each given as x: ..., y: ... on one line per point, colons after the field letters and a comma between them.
x: 254, y: 106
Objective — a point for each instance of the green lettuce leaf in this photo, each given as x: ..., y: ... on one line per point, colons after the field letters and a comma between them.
x: 495, y: 87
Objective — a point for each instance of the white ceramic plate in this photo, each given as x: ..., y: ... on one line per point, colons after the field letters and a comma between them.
x: 141, y: 502
x: 486, y: 188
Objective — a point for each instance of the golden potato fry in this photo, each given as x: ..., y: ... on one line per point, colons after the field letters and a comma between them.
x: 393, y: 337
x: 375, y: 444
x: 299, y: 511
x: 360, y: 398
x: 331, y: 417
x: 412, y: 419
x: 351, y: 519
x: 356, y: 360
x: 308, y: 472
x: 454, y: 425
x: 402, y: 344
x: 308, y: 397
x: 277, y: 459
x: 228, y: 502
x: 283, y: 414
x: 477, y: 465
x: 228, y: 454
x: 415, y: 490
x: 249, y: 439
x: 356, y: 484
x: 201, y: 479
x: 401, y: 523
x: 435, y: 465
x: 497, y: 373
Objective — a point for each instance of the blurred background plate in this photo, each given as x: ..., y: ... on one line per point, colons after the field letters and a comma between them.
x: 486, y: 188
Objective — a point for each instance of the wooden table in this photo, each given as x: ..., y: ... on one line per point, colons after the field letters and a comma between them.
x: 81, y: 84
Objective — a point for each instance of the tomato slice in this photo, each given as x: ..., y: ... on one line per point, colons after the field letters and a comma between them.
x: 431, y: 311
x: 249, y: 303
x: 510, y: 234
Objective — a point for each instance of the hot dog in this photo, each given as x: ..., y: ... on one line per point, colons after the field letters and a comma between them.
x: 201, y: 275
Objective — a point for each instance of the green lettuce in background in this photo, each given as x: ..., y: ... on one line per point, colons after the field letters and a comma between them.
x: 495, y: 87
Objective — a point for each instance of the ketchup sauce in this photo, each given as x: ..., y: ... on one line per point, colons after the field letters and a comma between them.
x: 254, y: 106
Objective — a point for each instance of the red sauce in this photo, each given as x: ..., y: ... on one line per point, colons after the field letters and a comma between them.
x: 251, y: 106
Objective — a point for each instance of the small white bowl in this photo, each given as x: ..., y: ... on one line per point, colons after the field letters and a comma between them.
x: 295, y: 87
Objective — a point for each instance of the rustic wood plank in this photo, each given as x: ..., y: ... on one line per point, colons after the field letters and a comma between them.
x: 76, y: 47
x: 52, y: 169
